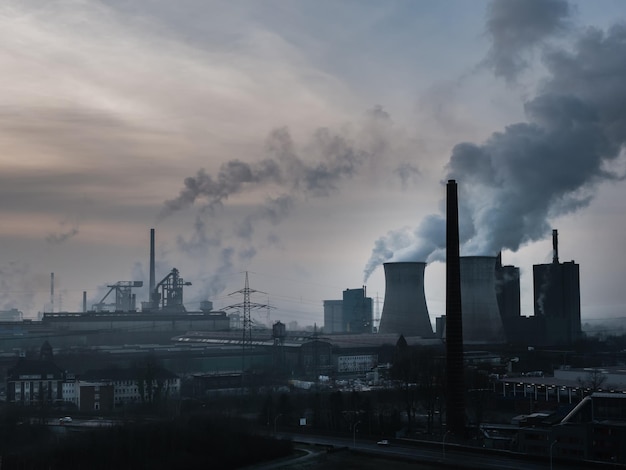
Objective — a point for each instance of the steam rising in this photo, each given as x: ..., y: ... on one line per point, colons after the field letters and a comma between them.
x: 515, y: 27
x: 511, y: 185
x: 286, y: 175
x: 19, y: 286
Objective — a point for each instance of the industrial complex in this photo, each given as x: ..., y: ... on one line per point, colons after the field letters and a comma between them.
x: 115, y: 355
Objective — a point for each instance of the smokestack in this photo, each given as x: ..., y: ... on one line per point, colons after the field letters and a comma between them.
x: 84, y: 301
x: 152, y: 270
x: 52, y: 292
x: 455, y: 394
x: 482, y: 321
x: 404, y: 309
x: 555, y: 247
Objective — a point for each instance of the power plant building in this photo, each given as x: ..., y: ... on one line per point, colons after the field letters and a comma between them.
x: 404, y: 310
x: 333, y: 316
x: 557, y: 297
x: 353, y: 314
x: 557, y: 300
x: 357, y: 311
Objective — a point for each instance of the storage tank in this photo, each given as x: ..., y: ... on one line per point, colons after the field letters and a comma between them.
x: 481, y: 315
x: 404, y: 309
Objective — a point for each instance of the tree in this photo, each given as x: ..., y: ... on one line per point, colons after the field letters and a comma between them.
x: 593, y: 382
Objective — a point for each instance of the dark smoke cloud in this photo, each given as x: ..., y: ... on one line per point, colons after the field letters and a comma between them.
x: 339, y: 160
x: 516, y: 27
x: 232, y: 178
x: 317, y: 169
x: 274, y: 211
x: 512, y: 185
x: 200, y: 240
x: 63, y: 236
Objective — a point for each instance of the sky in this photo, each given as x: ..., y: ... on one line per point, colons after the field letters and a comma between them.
x: 304, y: 144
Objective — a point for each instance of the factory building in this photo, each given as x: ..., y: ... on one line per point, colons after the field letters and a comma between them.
x: 357, y: 311
x: 352, y: 314
x: 305, y: 356
x: 118, y: 322
x: 594, y: 430
x: 11, y: 315
x: 333, y: 316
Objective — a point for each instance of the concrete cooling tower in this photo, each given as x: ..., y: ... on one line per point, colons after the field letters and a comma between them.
x: 404, y: 309
x: 481, y: 315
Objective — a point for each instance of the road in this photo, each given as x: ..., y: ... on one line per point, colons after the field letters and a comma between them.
x: 328, y: 453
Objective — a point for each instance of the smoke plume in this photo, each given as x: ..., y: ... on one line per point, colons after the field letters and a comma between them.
x: 514, y: 183
x: 20, y: 287
x: 287, y: 175
x: 517, y: 27
x: 63, y: 235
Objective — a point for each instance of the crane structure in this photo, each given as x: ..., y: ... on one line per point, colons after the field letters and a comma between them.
x: 125, y: 300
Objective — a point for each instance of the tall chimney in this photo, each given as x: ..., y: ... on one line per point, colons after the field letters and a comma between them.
x: 52, y: 292
x: 455, y: 393
x: 152, y: 272
x: 84, y: 301
x: 555, y: 247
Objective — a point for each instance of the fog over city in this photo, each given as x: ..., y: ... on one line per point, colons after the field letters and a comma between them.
x: 307, y: 143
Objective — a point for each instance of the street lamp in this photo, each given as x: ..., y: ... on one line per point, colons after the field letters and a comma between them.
x: 551, y: 446
x: 276, y: 419
x: 354, y: 433
x: 443, y: 444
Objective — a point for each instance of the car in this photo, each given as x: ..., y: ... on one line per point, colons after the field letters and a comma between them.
x: 65, y: 419
x: 383, y: 442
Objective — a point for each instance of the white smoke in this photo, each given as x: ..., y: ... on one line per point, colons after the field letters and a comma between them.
x: 515, y: 182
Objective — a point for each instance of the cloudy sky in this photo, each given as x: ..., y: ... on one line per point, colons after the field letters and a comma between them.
x: 306, y: 143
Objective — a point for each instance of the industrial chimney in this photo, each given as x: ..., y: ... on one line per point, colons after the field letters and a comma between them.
x: 481, y: 316
x: 555, y: 247
x: 455, y: 380
x: 152, y: 269
x: 52, y: 292
x: 404, y: 309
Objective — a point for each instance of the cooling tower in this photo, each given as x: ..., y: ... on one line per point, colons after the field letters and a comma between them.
x: 481, y: 316
x: 404, y: 310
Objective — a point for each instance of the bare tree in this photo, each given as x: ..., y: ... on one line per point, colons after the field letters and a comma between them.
x: 593, y: 381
